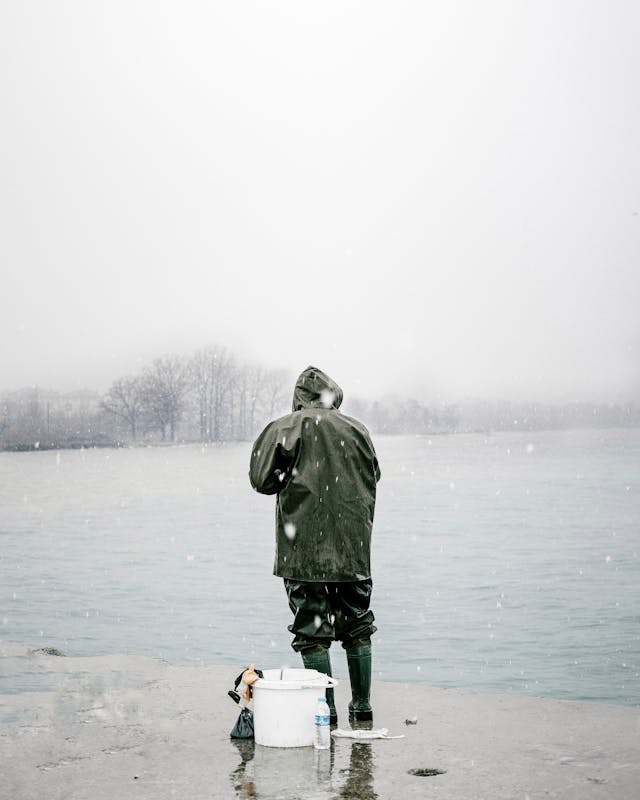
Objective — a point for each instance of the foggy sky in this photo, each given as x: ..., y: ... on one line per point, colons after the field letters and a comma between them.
x: 427, y: 198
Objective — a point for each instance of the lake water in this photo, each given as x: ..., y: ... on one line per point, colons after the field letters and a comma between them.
x: 502, y: 563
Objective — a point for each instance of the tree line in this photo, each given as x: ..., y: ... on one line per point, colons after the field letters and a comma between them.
x: 208, y: 396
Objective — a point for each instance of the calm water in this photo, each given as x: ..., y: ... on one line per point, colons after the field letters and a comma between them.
x: 501, y: 563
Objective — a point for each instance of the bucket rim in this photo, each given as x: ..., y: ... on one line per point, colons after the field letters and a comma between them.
x: 313, y: 680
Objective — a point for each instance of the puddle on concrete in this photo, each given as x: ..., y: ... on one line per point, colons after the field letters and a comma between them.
x: 291, y: 773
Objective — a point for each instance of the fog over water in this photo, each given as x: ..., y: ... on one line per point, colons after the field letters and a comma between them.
x: 435, y: 199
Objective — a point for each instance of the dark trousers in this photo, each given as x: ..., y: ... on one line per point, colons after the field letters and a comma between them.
x: 327, y: 612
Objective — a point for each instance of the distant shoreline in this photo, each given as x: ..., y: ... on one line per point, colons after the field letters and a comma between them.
x: 32, y: 447
x: 36, y: 446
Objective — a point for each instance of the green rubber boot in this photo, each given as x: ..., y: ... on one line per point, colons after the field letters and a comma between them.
x: 318, y: 659
x: 359, y: 663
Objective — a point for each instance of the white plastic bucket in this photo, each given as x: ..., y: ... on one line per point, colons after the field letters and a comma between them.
x: 284, y: 702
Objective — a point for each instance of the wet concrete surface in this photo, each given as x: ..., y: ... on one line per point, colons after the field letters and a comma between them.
x: 119, y: 727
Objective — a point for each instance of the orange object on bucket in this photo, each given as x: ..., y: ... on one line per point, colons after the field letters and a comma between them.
x: 249, y: 677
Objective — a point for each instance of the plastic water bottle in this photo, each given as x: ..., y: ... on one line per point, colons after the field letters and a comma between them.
x: 322, y: 739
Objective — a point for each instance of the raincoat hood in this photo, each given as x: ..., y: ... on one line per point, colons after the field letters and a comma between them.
x: 316, y: 389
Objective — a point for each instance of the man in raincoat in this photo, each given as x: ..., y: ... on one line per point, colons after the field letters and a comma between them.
x: 322, y: 466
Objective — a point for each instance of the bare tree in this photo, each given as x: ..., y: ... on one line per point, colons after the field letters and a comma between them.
x: 212, y: 372
x: 257, y: 394
x: 5, y: 417
x: 166, y: 382
x: 200, y: 379
x: 256, y: 389
x: 277, y: 389
x: 126, y: 400
x: 223, y: 387
x: 241, y: 386
x: 250, y: 390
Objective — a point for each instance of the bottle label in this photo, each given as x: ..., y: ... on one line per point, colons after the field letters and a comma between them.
x: 322, y: 719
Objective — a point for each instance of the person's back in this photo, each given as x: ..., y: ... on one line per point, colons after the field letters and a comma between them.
x: 323, y: 467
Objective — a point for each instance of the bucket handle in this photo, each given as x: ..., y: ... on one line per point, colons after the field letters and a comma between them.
x: 330, y: 683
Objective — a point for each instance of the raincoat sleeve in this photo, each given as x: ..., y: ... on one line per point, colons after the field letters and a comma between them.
x: 273, y: 457
x: 376, y: 466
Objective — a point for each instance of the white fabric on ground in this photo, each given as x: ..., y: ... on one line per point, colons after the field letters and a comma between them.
x: 381, y: 733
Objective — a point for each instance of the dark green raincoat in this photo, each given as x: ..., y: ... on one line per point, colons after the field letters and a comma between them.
x: 323, y: 468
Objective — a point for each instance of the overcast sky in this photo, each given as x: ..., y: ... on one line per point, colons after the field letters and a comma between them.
x: 435, y: 198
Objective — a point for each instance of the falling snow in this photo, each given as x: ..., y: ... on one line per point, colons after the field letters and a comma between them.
x: 327, y: 398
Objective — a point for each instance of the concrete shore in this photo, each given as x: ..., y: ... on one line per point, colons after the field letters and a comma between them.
x: 119, y: 727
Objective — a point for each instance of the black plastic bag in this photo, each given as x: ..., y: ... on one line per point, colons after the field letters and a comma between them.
x: 243, y: 729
